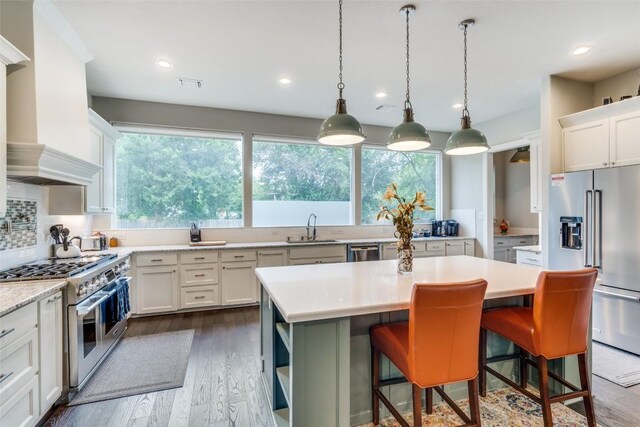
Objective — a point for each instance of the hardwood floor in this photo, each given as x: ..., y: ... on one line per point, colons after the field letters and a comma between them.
x: 222, y: 386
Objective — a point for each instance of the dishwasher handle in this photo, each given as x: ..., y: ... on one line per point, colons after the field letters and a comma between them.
x: 364, y: 249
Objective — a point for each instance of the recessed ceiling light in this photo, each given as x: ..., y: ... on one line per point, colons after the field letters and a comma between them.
x: 163, y: 63
x: 456, y: 106
x: 285, y: 81
x: 581, y: 50
x: 381, y: 95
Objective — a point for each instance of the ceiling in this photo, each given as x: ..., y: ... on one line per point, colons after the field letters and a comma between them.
x: 240, y: 49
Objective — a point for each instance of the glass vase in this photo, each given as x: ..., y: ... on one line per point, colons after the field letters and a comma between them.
x: 405, y: 260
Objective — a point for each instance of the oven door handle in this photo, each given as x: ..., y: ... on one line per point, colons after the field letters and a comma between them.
x: 83, y: 312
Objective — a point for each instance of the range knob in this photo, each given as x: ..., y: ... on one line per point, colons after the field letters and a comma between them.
x: 103, y: 280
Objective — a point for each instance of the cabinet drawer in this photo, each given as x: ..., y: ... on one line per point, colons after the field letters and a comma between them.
x: 522, y: 241
x: 502, y: 242
x: 156, y: 258
x: 198, y: 257
x: 199, y: 296
x: 21, y: 408
x: 455, y: 248
x: 318, y: 252
x: 419, y: 246
x: 203, y: 274
x: 530, y: 258
x: 18, y: 364
x: 231, y: 256
x: 435, y: 246
x: 17, y: 323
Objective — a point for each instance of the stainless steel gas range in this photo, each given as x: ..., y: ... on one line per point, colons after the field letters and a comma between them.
x: 97, y: 301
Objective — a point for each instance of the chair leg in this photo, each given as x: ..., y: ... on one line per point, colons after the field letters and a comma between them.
x: 586, y: 385
x: 375, y: 385
x: 417, y: 406
x: 543, y: 376
x: 482, y: 362
x: 524, y: 368
x: 429, y: 400
x: 474, y: 402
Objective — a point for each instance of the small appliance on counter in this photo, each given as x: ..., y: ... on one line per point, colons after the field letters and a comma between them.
x: 97, y: 242
x: 195, y: 233
x: 443, y: 228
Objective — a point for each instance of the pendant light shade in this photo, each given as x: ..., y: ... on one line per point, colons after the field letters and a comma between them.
x: 341, y: 128
x: 408, y: 135
x: 522, y: 155
x: 467, y: 140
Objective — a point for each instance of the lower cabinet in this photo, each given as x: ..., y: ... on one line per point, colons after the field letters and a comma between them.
x: 325, y: 254
x: 50, y: 312
x: 455, y: 247
x: 272, y: 258
x: 22, y: 408
x: 199, y: 296
x: 156, y: 289
x: 238, y: 281
x: 470, y: 247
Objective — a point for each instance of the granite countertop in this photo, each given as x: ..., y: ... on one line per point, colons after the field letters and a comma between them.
x: 531, y: 248
x: 14, y: 295
x: 324, y: 291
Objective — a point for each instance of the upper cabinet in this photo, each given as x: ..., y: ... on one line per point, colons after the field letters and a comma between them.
x: 535, y: 170
x: 607, y: 136
x: 100, y: 195
x: 9, y: 54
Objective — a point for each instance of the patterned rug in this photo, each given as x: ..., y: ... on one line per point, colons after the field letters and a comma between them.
x: 501, y: 408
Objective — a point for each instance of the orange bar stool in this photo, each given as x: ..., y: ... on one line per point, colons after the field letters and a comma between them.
x: 555, y: 327
x: 437, y: 346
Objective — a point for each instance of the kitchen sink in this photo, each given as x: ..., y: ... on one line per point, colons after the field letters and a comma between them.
x: 312, y: 241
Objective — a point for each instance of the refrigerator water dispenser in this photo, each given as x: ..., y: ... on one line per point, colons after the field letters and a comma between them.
x: 571, y: 232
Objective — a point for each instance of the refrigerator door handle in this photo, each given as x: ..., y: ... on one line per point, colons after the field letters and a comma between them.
x: 588, y: 206
x: 597, y: 229
x: 616, y: 295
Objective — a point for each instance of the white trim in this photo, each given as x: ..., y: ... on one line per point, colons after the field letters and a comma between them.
x: 511, y: 145
x: 47, y: 10
x: 291, y: 140
x: 175, y: 131
x: 103, y: 125
x: 9, y: 54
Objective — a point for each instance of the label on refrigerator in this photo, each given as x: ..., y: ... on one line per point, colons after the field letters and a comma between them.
x: 557, y: 180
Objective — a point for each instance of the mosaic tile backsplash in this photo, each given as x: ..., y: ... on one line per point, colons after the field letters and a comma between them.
x: 23, y: 215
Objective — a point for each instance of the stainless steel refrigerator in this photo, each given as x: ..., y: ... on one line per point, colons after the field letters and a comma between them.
x: 595, y: 221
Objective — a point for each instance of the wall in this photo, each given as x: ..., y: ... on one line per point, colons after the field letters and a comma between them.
x: 513, y: 192
x: 623, y: 84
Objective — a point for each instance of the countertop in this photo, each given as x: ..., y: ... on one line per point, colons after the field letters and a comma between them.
x: 14, y: 295
x: 516, y: 234
x: 532, y: 248
x: 323, y: 291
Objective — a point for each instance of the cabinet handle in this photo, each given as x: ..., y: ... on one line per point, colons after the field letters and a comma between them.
x: 613, y: 163
x: 156, y: 260
x: 238, y: 256
x: 198, y: 297
x: 532, y: 259
x: 499, y: 243
x: 5, y: 376
x: 604, y: 164
x: 6, y: 332
x: 200, y: 257
x: 54, y: 299
x: 199, y: 275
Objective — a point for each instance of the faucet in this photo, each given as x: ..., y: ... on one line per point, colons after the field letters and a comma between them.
x: 309, y: 236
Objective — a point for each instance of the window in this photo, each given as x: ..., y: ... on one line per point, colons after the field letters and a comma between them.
x: 413, y: 171
x: 291, y: 180
x: 169, y: 180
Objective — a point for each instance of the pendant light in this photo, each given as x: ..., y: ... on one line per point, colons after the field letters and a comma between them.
x: 522, y: 155
x: 341, y: 128
x: 408, y: 135
x: 467, y: 140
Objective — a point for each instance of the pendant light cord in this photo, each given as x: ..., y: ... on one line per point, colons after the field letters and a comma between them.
x: 407, y: 102
x: 465, y: 111
x: 340, y: 85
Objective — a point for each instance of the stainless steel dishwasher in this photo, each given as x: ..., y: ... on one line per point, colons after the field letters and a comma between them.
x: 363, y: 252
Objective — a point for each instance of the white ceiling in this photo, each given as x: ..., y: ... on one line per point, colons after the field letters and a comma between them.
x: 241, y: 48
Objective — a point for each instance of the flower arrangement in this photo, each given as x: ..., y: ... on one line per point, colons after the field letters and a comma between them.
x: 402, y: 215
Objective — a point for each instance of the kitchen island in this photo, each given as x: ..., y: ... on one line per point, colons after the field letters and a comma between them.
x: 315, y: 330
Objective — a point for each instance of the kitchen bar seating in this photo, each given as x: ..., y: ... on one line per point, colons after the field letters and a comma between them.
x: 555, y: 327
x: 437, y: 346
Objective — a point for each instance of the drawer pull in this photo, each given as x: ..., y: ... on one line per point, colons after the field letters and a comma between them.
x: 238, y: 256
x: 532, y: 259
x: 6, y: 332
x: 198, y: 297
x: 499, y: 243
x: 199, y: 275
x: 54, y: 299
x: 200, y: 257
x: 156, y: 260
x: 5, y: 376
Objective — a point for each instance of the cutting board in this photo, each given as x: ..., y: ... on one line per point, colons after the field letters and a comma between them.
x: 211, y: 243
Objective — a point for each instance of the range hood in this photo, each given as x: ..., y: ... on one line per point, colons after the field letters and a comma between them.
x: 41, y: 165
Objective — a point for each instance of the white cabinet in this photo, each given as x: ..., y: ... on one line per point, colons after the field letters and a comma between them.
x: 272, y: 258
x: 100, y: 194
x: 503, y: 246
x: 389, y: 251
x: 21, y: 408
x: 529, y: 258
x: 156, y: 289
x: 454, y: 247
x: 50, y: 344
x: 238, y: 282
x: 535, y: 171
x: 625, y: 139
x: 470, y: 247
x: 199, y: 296
x: 199, y: 277
x: 322, y: 254
x: 585, y: 146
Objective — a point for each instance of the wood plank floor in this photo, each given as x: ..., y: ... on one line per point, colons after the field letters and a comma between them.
x: 223, y: 386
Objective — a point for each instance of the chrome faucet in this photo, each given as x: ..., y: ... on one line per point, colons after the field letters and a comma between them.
x: 309, y: 236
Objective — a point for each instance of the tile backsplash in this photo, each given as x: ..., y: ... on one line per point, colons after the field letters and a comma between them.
x: 21, y: 219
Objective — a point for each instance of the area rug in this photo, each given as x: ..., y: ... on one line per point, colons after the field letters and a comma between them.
x: 615, y: 365
x: 501, y: 408
x: 139, y: 365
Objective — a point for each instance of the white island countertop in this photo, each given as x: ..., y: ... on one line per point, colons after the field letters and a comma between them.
x: 323, y: 291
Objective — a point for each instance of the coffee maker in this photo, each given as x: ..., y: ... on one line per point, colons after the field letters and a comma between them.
x: 442, y: 228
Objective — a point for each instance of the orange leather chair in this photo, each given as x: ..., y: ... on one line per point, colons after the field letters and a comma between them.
x: 555, y: 327
x: 437, y: 346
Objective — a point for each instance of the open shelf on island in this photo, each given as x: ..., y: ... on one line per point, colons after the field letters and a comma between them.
x: 283, y: 377
x: 281, y: 417
x: 284, y: 332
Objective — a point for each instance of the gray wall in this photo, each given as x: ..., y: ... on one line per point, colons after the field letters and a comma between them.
x: 616, y: 86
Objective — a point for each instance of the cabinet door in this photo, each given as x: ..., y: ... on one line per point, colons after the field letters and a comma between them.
x: 93, y: 204
x: 108, y: 175
x: 586, y: 146
x: 470, y: 247
x: 512, y: 256
x: 535, y: 176
x: 501, y: 254
x: 625, y: 139
x: 272, y: 258
x: 50, y: 337
x: 238, y: 282
x: 454, y: 248
x: 157, y: 289
x: 390, y: 251
x: 21, y: 408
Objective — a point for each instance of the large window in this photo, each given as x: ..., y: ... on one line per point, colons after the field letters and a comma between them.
x: 414, y: 171
x: 166, y: 181
x: 291, y: 180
